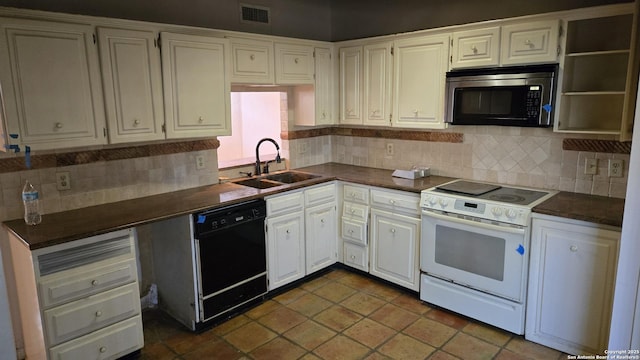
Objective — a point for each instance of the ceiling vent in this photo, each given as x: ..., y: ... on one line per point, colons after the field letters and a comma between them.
x: 255, y: 14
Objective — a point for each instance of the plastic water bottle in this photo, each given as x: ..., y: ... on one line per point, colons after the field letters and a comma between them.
x: 31, y: 204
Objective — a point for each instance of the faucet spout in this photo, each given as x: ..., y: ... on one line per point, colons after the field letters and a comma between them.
x: 278, y: 159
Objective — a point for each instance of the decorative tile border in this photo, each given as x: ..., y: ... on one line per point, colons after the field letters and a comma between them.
x: 376, y: 133
x: 90, y: 156
x: 601, y: 146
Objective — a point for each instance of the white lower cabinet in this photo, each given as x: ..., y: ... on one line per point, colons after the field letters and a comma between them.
x: 301, y: 233
x: 80, y: 299
x: 571, y: 279
x: 394, y: 248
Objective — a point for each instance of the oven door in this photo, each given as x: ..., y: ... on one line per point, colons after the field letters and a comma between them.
x: 478, y: 254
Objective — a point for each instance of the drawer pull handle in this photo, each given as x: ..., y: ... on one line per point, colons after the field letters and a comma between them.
x: 94, y: 282
x: 573, y: 248
x: 392, y: 201
x: 103, y: 349
x: 98, y: 313
x: 350, y: 231
x: 296, y: 60
x: 287, y: 231
x: 474, y: 49
x: 252, y: 57
x: 136, y: 122
x: 58, y: 125
x: 353, y: 257
x: 393, y: 231
x: 353, y: 211
x: 200, y: 119
x: 321, y: 221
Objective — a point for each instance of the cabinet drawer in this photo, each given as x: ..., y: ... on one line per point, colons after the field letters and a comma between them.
x: 355, y: 212
x: 530, y: 43
x: 252, y: 61
x: 285, y: 203
x: 476, y: 48
x: 354, y: 231
x: 80, y: 317
x: 111, y: 342
x: 356, y: 256
x: 356, y: 194
x: 86, y: 280
x: 320, y: 195
x: 396, y: 201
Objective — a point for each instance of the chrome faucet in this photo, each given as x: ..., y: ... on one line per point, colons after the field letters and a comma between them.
x: 266, y: 167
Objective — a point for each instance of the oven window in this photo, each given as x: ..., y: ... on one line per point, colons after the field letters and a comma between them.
x: 491, y: 101
x: 471, y: 252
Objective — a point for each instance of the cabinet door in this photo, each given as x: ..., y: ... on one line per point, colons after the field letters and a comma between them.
x: 394, y: 248
x: 535, y: 42
x: 419, y: 66
x: 377, y: 84
x: 475, y: 48
x: 572, y: 275
x: 321, y: 236
x: 51, y: 82
x: 132, y: 80
x: 350, y: 85
x: 252, y: 61
x: 324, y: 87
x: 294, y: 64
x: 285, y: 246
x: 196, y: 86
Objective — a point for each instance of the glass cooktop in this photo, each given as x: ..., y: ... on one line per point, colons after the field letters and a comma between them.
x: 491, y: 192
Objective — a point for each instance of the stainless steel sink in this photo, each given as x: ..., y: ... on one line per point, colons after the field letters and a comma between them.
x: 276, y: 179
x: 290, y: 177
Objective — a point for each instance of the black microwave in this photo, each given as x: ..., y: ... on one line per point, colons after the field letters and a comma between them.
x: 508, y: 96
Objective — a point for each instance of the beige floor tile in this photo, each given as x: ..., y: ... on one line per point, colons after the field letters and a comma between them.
x: 441, y: 355
x: 309, y: 304
x: 337, y: 274
x: 394, y: 317
x: 230, y: 325
x: 356, y: 281
x: 470, y: 348
x: 505, y: 354
x: 402, y: 347
x: 309, y: 334
x: 383, y: 291
x: 377, y: 356
x: 341, y: 348
x: 249, y: 336
x: 430, y: 332
x: 411, y: 303
x: 217, y: 349
x: 363, y: 303
x: 262, y: 309
x: 157, y: 351
x: 531, y: 350
x: 335, y: 291
x: 487, y: 333
x: 290, y: 296
x: 282, y: 319
x: 315, y: 283
x: 369, y: 333
x: 278, y: 349
x: 337, y: 318
x: 182, y: 343
x: 310, y: 356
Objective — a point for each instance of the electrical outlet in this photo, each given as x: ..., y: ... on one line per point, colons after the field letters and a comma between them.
x: 200, y: 162
x: 615, y: 167
x: 389, y: 149
x: 63, y: 180
x: 590, y: 166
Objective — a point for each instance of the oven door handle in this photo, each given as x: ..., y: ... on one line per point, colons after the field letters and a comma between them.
x: 508, y: 229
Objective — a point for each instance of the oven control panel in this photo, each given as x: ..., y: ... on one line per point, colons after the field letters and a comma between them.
x: 485, y: 209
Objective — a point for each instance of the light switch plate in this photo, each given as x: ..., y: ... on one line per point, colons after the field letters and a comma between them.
x: 590, y: 166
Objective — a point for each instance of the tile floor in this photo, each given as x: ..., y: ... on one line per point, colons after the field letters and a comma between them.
x: 339, y: 315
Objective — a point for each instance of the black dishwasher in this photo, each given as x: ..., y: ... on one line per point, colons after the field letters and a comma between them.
x: 230, y: 254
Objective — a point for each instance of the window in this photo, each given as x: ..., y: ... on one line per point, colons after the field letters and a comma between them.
x: 254, y: 115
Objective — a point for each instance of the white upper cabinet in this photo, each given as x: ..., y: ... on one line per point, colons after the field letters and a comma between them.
x: 350, y: 85
x: 196, y: 85
x: 324, y: 87
x: 532, y: 42
x: 419, y: 66
x: 377, y: 83
x: 50, y: 78
x: 132, y: 81
x: 294, y: 64
x: 476, y: 48
x: 252, y: 61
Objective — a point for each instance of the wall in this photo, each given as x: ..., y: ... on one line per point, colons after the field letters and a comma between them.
x: 508, y: 155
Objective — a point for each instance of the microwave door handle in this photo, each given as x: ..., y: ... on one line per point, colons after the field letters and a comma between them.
x: 511, y: 230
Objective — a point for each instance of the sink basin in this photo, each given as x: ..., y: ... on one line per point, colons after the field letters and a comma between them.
x: 290, y: 177
x: 258, y: 183
x: 276, y: 179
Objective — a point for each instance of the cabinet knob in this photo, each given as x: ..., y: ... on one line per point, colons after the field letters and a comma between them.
x: 392, y: 202
x: 321, y: 221
x: 528, y: 42
x: 200, y: 119
x: 58, y: 125
x: 474, y: 49
x: 349, y: 111
x: 350, y: 231
x: 415, y: 112
x: 94, y: 282
x: 136, y: 122
x: 252, y: 57
x: 353, y: 257
x: 296, y: 60
x: 98, y: 313
x: 324, y: 115
x: 287, y: 231
x: 103, y: 349
x: 573, y: 248
x: 393, y: 231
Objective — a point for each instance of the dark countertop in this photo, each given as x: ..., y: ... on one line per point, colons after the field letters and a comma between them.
x: 592, y: 208
x: 61, y: 227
